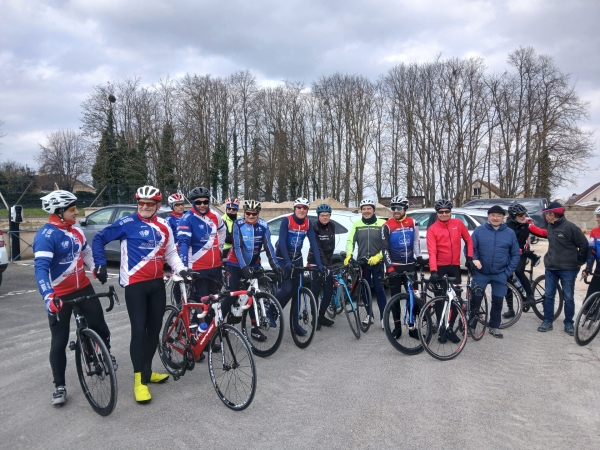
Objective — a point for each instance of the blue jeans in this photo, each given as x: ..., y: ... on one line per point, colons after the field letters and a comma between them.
x: 499, y: 289
x: 567, y: 281
x: 376, y: 272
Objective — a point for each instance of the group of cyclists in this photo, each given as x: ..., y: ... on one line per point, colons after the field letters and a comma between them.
x: 197, y: 244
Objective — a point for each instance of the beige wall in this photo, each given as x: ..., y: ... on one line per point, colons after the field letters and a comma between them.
x: 582, y: 216
x: 27, y: 236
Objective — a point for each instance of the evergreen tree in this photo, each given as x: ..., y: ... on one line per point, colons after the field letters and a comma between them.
x: 105, y: 172
x: 165, y: 168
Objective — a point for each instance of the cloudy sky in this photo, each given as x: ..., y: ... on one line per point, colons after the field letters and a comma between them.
x: 52, y: 52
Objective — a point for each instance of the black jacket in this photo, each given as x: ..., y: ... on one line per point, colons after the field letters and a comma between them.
x: 520, y: 229
x: 567, y: 246
x: 325, y: 236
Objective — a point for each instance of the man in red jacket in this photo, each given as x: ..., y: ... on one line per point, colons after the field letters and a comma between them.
x: 444, y: 248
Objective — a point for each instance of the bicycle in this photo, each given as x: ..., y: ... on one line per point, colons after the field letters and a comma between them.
x: 95, y: 366
x: 587, y: 323
x: 360, y: 291
x: 342, y: 300
x: 180, y: 347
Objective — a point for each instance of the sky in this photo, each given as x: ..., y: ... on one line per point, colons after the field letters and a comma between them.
x: 53, y: 52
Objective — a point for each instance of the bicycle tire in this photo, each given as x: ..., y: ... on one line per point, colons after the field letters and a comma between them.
x: 444, y: 351
x: 266, y: 284
x: 479, y: 316
x: 407, y: 344
x: 539, y: 289
x: 362, y: 299
x: 307, y: 319
x: 590, y: 321
x: 172, y: 342
x: 350, y: 312
x: 99, y: 384
x: 233, y: 373
x: 517, y: 301
x: 274, y: 335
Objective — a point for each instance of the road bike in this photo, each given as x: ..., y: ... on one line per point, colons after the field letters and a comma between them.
x: 341, y: 300
x: 587, y: 323
x: 180, y: 346
x: 95, y: 365
x: 360, y: 292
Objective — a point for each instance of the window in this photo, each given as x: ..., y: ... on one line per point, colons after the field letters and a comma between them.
x: 463, y: 219
x: 274, y: 227
x: 481, y: 220
x: 421, y: 219
x: 101, y: 217
x: 476, y: 192
x: 124, y: 212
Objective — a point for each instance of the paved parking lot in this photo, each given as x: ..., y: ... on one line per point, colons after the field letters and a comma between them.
x: 530, y: 389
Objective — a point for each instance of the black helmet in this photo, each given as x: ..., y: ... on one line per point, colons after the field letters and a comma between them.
x: 199, y: 192
x: 442, y: 204
x: 516, y: 209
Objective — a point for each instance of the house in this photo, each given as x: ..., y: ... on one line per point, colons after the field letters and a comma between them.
x: 588, y: 197
x: 46, y: 183
x: 483, y: 189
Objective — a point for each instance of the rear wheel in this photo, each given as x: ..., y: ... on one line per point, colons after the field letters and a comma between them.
x: 362, y: 299
x: 304, y: 307
x: 587, y: 323
x: 539, y: 289
x: 511, y: 304
x: 439, y: 345
x: 274, y: 335
x: 173, y: 341
x: 350, y: 312
x: 400, y: 333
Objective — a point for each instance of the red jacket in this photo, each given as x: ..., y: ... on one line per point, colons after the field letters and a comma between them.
x: 443, y: 243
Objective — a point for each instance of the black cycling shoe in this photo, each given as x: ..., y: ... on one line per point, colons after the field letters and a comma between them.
x: 508, y: 314
x: 257, y: 334
x: 325, y: 321
x: 442, y: 337
x: 414, y: 333
x: 397, y: 331
x: 452, y: 337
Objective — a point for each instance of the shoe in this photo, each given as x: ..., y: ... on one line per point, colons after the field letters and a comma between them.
x: 496, y: 333
x: 257, y: 335
x: 270, y: 313
x: 442, y: 339
x: 545, y: 326
x: 60, y: 396
x: 414, y: 334
x: 508, y: 314
x: 325, y: 321
x: 366, y: 320
x: 158, y: 377
x: 299, y: 330
x: 452, y: 337
x: 535, y: 259
x: 529, y: 300
x: 114, y: 362
x: 397, y: 331
x: 201, y: 357
x: 473, y: 322
x: 140, y: 391
x: 569, y: 329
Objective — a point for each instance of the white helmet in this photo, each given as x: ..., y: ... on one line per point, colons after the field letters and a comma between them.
x: 148, y: 193
x: 399, y: 200
x: 174, y: 198
x: 301, y: 201
x: 57, y: 200
x: 366, y: 202
x: 597, y: 212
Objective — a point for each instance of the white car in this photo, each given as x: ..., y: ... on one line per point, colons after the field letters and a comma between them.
x: 343, y: 222
x: 472, y: 218
x: 3, y: 256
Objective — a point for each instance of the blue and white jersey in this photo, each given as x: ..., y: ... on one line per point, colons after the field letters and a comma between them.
x: 248, y: 241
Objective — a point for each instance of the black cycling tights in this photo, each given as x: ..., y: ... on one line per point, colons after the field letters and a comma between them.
x: 146, y: 303
x: 59, y: 329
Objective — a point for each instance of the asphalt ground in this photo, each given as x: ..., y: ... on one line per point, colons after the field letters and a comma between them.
x: 530, y: 389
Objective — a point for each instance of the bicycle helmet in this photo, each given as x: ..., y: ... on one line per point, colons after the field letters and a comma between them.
x: 323, y: 208
x: 399, y: 200
x: 442, y: 204
x: 174, y: 198
x: 301, y: 201
x: 597, y: 212
x: 366, y: 202
x: 251, y: 205
x: 515, y: 209
x: 235, y: 203
x: 57, y: 201
x: 148, y: 193
x: 199, y: 192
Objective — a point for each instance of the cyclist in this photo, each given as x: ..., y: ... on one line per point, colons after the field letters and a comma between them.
x: 324, y: 230
x: 401, y: 247
x: 594, y: 255
x: 230, y: 216
x: 444, y: 248
x: 60, y: 250
x: 250, y: 235
x: 294, y: 228
x: 176, y: 203
x: 201, y: 235
x: 146, y: 244
x: 366, y: 233
x: 518, y: 223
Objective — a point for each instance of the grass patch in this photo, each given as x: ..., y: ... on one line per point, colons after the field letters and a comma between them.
x: 28, y: 213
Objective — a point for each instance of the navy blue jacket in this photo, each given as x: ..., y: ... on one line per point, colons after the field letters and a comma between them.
x: 497, y: 250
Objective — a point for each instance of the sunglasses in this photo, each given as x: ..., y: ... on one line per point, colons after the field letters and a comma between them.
x: 147, y: 204
x: 397, y: 208
x: 521, y: 215
x: 303, y: 208
x: 232, y: 209
x: 251, y: 214
x: 443, y: 212
x: 71, y: 209
x: 201, y: 202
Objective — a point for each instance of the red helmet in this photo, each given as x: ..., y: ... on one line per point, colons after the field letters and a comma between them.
x: 148, y: 193
x: 174, y: 198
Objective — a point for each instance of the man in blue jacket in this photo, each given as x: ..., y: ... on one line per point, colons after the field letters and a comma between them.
x: 495, y: 256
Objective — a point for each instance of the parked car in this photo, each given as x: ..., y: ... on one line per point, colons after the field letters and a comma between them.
x: 3, y: 256
x: 533, y: 206
x: 100, y: 219
x: 472, y: 218
x: 343, y: 222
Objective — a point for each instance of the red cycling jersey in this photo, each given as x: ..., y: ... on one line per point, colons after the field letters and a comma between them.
x: 443, y: 243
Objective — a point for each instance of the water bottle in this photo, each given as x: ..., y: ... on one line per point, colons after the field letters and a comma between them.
x: 201, y: 328
x: 519, y: 286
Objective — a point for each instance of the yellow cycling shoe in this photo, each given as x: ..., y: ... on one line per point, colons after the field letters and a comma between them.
x: 141, y: 392
x: 158, y: 377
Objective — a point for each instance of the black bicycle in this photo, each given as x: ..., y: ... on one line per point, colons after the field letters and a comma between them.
x: 587, y: 323
x: 94, y: 363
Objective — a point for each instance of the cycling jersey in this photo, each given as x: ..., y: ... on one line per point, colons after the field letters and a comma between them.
x: 443, y: 243
x: 367, y: 236
x: 145, y: 246
x: 59, y: 254
x: 173, y: 222
x: 200, y: 239
x: 400, y: 242
x: 291, y: 238
x: 248, y: 241
x: 594, y: 249
x: 522, y: 230
x: 228, y: 220
x: 325, y: 237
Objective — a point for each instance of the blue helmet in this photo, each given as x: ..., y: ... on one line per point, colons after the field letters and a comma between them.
x: 323, y: 208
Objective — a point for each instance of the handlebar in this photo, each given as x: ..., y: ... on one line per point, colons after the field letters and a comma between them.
x: 585, y: 277
x: 111, y: 294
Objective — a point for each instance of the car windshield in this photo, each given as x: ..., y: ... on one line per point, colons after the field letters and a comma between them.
x: 531, y: 205
x: 422, y: 219
x: 480, y: 219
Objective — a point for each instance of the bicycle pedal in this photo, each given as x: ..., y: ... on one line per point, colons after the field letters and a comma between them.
x: 72, y: 346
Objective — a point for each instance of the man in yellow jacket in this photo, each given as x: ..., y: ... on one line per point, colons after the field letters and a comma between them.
x: 231, y: 210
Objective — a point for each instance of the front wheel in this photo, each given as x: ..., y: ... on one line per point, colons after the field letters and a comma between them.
x: 451, y: 329
x: 96, y: 372
x: 232, y: 369
x: 350, y: 312
x: 512, y: 306
x: 478, y: 315
x: 587, y: 323
x: 304, y: 310
x: 362, y: 300
x: 274, y: 334
x: 539, y: 289
x: 401, y: 328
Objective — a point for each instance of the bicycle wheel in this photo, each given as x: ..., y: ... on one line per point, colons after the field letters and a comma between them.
x: 172, y: 341
x: 513, y: 301
x: 350, y: 312
x: 96, y: 372
x: 408, y: 341
x: 274, y: 335
x: 478, y: 317
x: 233, y: 372
x: 440, y: 346
x: 305, y: 306
x: 539, y: 289
x: 266, y: 284
x: 362, y: 299
x: 587, y: 323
